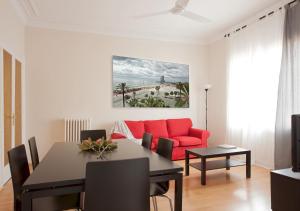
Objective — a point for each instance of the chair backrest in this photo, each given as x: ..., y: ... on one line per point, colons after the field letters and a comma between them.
x: 147, y: 140
x: 117, y: 185
x: 33, y: 152
x: 165, y: 148
x: 19, y: 168
x: 93, y: 134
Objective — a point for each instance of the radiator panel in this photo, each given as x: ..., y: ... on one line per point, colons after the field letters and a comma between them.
x: 73, y: 127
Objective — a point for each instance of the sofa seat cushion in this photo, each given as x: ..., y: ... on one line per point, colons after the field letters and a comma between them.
x: 117, y: 136
x: 158, y: 128
x: 179, y: 127
x: 155, y: 142
x: 187, y: 140
x: 137, y: 128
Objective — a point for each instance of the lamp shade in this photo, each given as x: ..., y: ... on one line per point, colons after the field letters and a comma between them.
x: 207, y: 86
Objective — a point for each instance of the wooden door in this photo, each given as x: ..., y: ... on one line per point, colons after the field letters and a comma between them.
x: 18, y: 103
x: 7, y: 88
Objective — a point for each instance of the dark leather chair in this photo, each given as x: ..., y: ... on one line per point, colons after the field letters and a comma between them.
x: 117, y: 185
x: 165, y: 149
x: 19, y: 169
x: 33, y: 152
x: 92, y: 134
x: 147, y: 140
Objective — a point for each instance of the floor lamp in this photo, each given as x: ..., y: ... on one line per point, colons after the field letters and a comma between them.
x: 206, y: 88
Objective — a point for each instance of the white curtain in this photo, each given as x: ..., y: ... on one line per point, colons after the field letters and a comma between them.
x: 253, y: 74
x: 289, y: 87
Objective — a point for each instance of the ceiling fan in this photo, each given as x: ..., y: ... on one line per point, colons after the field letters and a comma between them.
x: 178, y: 9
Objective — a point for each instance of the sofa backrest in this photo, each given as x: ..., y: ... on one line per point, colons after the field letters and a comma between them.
x: 179, y: 127
x: 158, y: 128
x: 137, y: 128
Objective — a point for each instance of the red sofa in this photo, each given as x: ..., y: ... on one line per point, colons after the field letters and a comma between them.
x: 180, y: 131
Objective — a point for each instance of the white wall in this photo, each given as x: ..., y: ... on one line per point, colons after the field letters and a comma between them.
x: 69, y: 74
x: 217, y: 77
x: 12, y: 30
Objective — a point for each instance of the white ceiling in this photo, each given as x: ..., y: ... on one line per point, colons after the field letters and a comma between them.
x: 116, y: 17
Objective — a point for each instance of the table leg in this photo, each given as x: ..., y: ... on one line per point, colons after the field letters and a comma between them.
x: 26, y: 202
x: 187, y: 163
x: 248, y: 164
x: 203, y: 171
x: 227, y: 162
x: 178, y: 193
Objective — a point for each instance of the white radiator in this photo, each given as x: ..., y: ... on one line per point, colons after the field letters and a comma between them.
x: 73, y: 128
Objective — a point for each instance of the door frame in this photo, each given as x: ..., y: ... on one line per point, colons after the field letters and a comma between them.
x: 4, y: 170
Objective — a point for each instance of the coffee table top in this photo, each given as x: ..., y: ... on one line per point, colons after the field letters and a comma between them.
x: 216, y: 151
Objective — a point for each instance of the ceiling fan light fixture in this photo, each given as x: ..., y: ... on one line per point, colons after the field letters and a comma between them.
x: 180, y: 10
x: 177, y: 10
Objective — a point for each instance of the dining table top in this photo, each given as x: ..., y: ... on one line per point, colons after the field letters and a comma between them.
x: 65, y: 164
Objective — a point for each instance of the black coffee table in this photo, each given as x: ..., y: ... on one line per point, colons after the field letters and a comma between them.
x: 215, y: 152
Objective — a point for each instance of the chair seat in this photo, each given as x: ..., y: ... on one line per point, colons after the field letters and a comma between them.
x: 58, y: 203
x: 65, y: 202
x: 157, y: 189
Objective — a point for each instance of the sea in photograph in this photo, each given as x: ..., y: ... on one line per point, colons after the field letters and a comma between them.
x: 149, y: 83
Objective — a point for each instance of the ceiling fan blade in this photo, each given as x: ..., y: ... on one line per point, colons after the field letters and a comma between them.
x: 182, y: 3
x: 147, y: 15
x: 195, y: 17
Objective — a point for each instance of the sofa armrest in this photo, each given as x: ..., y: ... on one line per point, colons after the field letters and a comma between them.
x: 198, y: 133
x: 117, y: 136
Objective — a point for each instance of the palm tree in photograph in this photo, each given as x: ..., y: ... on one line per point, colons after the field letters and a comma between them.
x: 123, y: 88
x: 175, y: 93
x: 184, y: 100
x: 180, y: 87
x: 171, y: 93
x: 157, y: 88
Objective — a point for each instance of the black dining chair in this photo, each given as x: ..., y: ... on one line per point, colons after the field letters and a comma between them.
x: 33, y: 152
x: 92, y: 134
x: 164, y: 148
x: 147, y: 140
x: 117, y: 185
x: 19, y: 169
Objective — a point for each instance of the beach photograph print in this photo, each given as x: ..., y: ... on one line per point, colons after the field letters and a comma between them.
x: 147, y: 83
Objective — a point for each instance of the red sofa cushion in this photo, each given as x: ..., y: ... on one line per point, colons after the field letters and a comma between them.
x: 179, y: 127
x: 158, y: 128
x: 117, y: 136
x: 187, y: 140
x: 137, y: 128
x: 155, y: 142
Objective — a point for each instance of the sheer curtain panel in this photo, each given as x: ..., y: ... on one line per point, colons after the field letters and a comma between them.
x: 253, y: 74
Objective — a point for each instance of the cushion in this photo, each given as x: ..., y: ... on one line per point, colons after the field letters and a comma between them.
x: 158, y: 128
x: 137, y: 128
x: 187, y: 140
x: 179, y: 127
x: 117, y: 136
x: 155, y: 142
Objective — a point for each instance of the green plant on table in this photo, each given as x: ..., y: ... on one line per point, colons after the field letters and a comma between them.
x: 100, y: 146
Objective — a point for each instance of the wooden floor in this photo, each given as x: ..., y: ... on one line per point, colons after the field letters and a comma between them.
x: 225, y: 191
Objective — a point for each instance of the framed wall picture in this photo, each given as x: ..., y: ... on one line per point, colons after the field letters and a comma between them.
x: 147, y: 83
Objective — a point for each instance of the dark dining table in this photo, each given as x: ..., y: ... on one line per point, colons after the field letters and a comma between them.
x: 62, y: 171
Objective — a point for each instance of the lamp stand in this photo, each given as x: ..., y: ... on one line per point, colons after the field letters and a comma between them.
x: 206, y: 108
